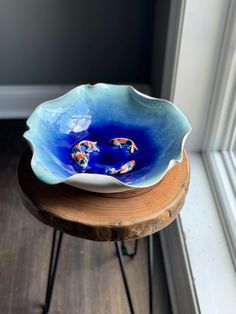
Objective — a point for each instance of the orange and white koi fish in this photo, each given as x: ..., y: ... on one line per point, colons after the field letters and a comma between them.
x: 80, y: 152
x: 127, y: 167
x: 120, y: 141
x: 80, y: 158
x: 112, y: 171
x: 77, y: 147
x: 89, y: 146
x: 124, y: 169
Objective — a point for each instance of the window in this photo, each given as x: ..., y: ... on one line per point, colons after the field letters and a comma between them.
x: 201, y: 81
x: 220, y: 140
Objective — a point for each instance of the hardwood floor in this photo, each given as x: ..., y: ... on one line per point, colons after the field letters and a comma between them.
x: 88, y: 279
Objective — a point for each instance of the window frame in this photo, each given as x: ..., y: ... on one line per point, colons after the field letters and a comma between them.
x: 208, y: 149
x: 220, y: 133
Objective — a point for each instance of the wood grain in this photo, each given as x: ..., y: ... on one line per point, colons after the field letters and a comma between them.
x: 88, y: 279
x: 91, y: 216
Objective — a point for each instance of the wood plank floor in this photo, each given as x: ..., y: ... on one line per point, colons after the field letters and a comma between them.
x: 88, y: 279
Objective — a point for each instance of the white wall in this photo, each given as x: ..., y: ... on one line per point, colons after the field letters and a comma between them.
x: 200, y: 47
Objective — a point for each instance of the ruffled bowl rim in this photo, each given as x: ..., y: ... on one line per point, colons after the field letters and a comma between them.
x: 107, y: 180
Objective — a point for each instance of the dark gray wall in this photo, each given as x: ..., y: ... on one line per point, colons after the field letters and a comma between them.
x: 65, y: 41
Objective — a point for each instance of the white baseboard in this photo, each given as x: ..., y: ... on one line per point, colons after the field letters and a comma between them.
x: 18, y: 101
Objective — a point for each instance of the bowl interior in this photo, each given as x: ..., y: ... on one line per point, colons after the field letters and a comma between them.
x: 99, y: 113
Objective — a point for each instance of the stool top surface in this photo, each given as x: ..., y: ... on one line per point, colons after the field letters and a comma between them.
x: 100, y: 217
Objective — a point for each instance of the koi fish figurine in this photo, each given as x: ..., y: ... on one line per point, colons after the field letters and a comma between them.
x: 112, y: 171
x: 89, y: 146
x: 120, y: 141
x: 127, y: 167
x: 124, y: 169
x: 77, y: 147
x: 80, y: 158
x: 81, y: 150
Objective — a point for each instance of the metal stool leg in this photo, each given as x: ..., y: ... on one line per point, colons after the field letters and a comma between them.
x: 122, y: 250
x: 122, y: 267
x: 125, y: 251
x: 150, y: 273
x: 55, y: 251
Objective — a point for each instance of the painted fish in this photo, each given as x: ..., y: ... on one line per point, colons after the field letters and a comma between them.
x: 124, y: 169
x: 80, y: 158
x: 120, y: 141
x: 89, y: 146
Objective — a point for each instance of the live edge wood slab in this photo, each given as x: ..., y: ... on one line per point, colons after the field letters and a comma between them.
x: 103, y: 217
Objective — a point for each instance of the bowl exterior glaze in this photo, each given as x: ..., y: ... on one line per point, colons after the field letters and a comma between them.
x: 98, y: 113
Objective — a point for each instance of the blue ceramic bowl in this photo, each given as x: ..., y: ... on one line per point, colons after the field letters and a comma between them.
x: 99, y: 113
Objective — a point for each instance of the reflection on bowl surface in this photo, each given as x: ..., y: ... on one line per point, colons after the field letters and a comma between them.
x: 100, y: 113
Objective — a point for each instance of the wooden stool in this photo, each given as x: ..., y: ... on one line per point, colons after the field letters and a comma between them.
x: 103, y: 217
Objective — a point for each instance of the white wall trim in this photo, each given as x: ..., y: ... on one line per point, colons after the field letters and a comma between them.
x: 18, y: 101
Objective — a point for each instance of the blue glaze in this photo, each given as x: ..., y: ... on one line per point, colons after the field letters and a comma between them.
x: 100, y: 113
x: 110, y: 156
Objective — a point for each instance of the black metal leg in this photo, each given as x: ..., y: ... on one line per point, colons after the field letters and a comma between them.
x: 122, y: 267
x: 125, y: 251
x: 56, y: 245
x: 122, y: 250
x: 150, y: 273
